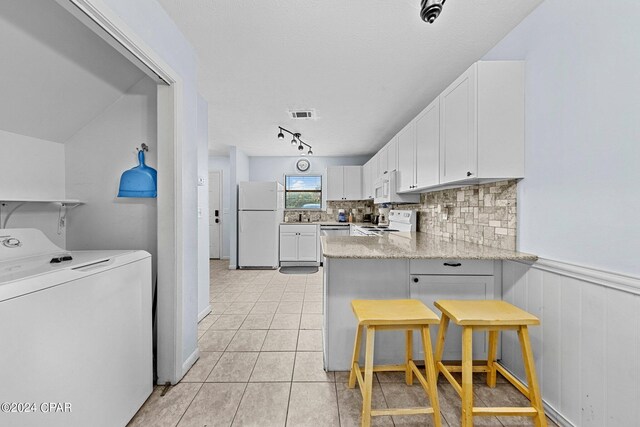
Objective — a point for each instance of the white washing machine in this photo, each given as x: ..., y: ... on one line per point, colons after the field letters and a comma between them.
x: 75, y: 333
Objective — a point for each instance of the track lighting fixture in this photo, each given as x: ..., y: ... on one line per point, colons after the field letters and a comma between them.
x: 295, y: 140
x: 430, y: 10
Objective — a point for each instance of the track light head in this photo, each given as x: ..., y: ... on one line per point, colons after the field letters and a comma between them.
x: 300, y: 147
x: 293, y: 141
x: 280, y: 135
x: 430, y: 10
x: 310, y: 152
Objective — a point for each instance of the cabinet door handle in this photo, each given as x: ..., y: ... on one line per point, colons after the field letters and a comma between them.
x: 469, y: 174
x: 452, y: 264
x: 416, y: 280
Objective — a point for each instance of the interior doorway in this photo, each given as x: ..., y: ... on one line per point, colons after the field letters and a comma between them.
x: 215, y: 214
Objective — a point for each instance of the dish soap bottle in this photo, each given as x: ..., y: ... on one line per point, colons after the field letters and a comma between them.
x: 350, y: 217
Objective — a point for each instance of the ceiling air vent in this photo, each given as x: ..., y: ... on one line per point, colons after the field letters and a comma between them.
x: 302, y: 114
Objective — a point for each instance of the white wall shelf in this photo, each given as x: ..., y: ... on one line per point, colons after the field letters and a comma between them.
x: 64, y: 203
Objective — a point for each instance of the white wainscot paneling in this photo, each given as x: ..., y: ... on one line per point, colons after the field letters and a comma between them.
x: 588, y: 346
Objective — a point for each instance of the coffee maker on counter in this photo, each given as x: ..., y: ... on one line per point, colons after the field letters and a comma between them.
x: 383, y: 215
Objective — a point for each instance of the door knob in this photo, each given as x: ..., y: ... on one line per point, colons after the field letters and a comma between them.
x: 469, y: 174
x: 416, y: 280
x: 217, y: 220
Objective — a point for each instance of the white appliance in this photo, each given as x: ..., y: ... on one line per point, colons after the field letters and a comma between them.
x: 334, y: 230
x: 76, y: 334
x: 403, y: 221
x: 260, y: 212
x: 385, y: 191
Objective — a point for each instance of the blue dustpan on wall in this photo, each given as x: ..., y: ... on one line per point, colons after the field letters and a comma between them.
x: 141, y: 181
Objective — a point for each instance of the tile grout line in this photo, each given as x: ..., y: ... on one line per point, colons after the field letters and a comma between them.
x: 190, y: 403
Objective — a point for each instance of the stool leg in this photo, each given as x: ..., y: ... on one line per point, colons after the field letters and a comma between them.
x: 432, y: 382
x: 467, y: 377
x: 491, y: 357
x: 408, y: 374
x: 532, y: 380
x: 442, y: 332
x: 356, y: 356
x: 368, y: 377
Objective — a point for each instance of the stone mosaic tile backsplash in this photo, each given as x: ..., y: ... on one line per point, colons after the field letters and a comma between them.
x: 331, y: 213
x: 483, y: 214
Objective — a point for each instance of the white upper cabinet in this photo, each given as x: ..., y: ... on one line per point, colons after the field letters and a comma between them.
x: 392, y: 155
x: 383, y: 161
x: 353, y: 182
x: 335, y: 183
x: 482, y: 123
x: 344, y: 183
x: 367, y: 180
x: 427, y: 155
x: 405, y: 177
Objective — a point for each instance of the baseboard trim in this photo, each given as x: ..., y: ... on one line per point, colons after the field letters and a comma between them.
x: 233, y: 267
x: 596, y: 276
x: 204, y: 313
x: 191, y: 360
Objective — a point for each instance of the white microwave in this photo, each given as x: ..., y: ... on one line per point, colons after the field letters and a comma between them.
x: 385, y: 191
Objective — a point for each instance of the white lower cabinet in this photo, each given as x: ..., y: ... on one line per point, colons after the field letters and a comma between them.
x: 299, y: 243
x: 431, y: 281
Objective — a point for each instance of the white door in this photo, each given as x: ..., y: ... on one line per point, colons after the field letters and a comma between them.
x: 335, y: 183
x: 307, y: 246
x: 215, y: 214
x: 353, y: 182
x: 258, y: 239
x: 288, y: 246
x: 392, y: 155
x: 405, y: 178
x: 458, y: 129
x: 428, y: 146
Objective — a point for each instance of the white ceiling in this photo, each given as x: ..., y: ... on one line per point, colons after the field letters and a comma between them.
x: 366, y: 66
x: 57, y: 75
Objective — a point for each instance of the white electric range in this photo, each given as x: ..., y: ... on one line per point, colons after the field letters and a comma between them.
x: 399, y: 221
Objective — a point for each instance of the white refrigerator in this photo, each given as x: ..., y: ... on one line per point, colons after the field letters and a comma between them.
x: 260, y: 212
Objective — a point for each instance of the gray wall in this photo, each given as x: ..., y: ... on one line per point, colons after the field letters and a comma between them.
x: 96, y: 156
x: 32, y: 168
x: 204, y: 306
x: 579, y: 201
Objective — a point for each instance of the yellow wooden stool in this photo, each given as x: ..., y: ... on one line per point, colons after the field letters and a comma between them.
x: 376, y: 315
x: 492, y: 316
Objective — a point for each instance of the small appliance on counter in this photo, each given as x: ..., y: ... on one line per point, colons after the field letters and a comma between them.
x: 367, y: 218
x: 342, y: 217
x: 384, y: 215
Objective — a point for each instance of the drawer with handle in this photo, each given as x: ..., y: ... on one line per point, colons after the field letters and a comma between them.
x: 452, y: 267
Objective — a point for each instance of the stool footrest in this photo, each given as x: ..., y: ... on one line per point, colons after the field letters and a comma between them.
x: 458, y: 368
x: 506, y: 411
x: 513, y: 380
x: 388, y: 368
x: 401, y: 411
x: 454, y: 383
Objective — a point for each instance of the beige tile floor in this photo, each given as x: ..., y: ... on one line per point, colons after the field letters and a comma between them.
x: 261, y: 365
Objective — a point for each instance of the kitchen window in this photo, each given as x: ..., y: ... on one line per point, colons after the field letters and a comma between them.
x: 303, y: 191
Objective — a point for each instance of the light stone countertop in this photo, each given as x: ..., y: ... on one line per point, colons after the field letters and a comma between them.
x: 344, y: 224
x: 397, y: 245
